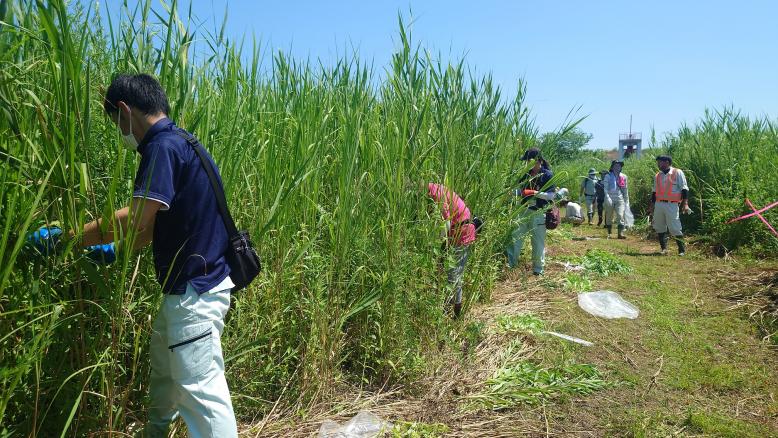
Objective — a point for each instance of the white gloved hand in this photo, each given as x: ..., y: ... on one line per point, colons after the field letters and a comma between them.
x: 546, y: 196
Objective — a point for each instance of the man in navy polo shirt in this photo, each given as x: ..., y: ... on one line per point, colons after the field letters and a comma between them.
x: 174, y: 206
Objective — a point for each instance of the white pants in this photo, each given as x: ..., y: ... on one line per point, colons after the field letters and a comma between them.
x: 666, y: 218
x: 614, y: 210
x: 534, y: 222
x: 187, y: 367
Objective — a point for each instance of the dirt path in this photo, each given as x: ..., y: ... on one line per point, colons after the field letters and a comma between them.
x: 692, y: 364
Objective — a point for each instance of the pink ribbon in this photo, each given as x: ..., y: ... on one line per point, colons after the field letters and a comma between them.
x: 762, y: 217
x: 757, y: 213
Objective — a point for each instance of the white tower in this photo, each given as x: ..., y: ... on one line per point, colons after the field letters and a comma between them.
x: 630, y: 143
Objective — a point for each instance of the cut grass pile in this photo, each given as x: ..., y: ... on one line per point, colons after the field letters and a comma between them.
x: 604, y: 263
x: 528, y: 383
x: 527, y: 323
x: 413, y: 429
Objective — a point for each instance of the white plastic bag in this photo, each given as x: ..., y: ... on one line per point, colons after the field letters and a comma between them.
x: 607, y: 304
x: 628, y: 217
x: 363, y: 425
x: 571, y: 267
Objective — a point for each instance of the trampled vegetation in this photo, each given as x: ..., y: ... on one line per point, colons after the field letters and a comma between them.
x: 321, y: 163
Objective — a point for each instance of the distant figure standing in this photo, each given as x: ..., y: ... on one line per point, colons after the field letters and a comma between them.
x: 669, y: 198
x: 616, y: 198
x: 460, y: 233
x: 600, y: 187
x: 535, y: 189
x: 589, y: 192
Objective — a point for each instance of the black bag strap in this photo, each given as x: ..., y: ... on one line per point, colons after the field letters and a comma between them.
x: 221, y: 201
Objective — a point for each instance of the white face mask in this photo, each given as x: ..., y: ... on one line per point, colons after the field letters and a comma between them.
x: 129, y: 140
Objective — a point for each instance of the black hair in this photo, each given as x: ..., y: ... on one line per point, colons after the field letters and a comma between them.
x: 615, y: 162
x: 535, y: 154
x: 139, y: 91
x: 664, y: 158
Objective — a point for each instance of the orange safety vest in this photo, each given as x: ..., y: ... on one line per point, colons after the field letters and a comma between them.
x: 665, y: 192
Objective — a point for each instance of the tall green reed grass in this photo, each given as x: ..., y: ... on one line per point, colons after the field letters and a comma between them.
x: 321, y: 164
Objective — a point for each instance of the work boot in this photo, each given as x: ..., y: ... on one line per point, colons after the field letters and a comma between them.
x: 621, y: 232
x: 591, y: 215
x: 599, y: 220
x: 610, y: 230
x: 663, y: 242
x: 681, y: 245
x: 457, y: 310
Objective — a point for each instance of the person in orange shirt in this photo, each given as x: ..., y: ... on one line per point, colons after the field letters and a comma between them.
x: 670, y: 197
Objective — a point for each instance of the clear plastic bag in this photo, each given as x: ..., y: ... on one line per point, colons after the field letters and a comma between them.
x: 607, y: 304
x: 363, y: 425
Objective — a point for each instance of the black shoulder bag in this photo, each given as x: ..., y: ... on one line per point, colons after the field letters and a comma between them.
x: 241, y: 256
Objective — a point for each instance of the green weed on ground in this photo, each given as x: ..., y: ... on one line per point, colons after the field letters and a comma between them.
x: 528, y: 383
x: 722, y: 426
x: 604, y: 263
x: 407, y: 429
x: 520, y: 323
x: 578, y: 282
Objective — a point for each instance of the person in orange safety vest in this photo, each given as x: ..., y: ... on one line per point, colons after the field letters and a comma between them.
x: 669, y: 199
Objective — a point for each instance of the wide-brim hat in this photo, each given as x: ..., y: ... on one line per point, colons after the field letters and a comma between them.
x: 592, y: 171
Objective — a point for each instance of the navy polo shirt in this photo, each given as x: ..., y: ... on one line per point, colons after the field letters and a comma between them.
x: 537, y: 182
x: 190, y: 238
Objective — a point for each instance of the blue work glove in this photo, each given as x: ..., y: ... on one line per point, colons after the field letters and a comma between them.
x: 104, y: 254
x: 45, y: 239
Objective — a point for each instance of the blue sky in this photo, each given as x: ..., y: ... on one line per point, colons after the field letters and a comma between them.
x: 663, y: 62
